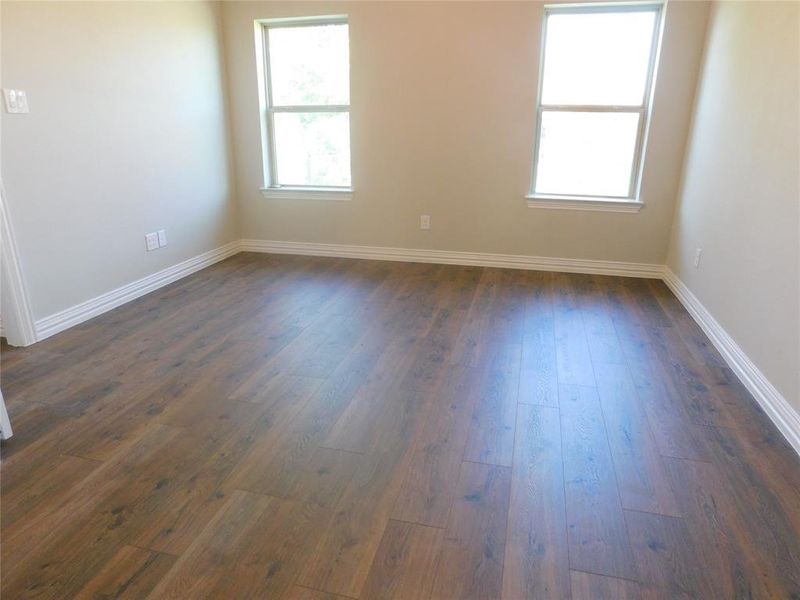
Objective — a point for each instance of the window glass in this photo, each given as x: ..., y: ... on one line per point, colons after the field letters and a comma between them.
x: 313, y: 148
x: 309, y: 65
x: 597, y: 58
x: 586, y: 153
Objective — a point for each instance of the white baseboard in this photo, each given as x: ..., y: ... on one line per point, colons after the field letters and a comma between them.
x: 445, y: 257
x: 96, y: 306
x: 786, y: 419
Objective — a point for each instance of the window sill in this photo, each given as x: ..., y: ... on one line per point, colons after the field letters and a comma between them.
x: 301, y: 193
x: 583, y: 203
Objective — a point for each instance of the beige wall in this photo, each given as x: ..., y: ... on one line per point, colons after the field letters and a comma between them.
x: 442, y: 101
x: 127, y: 134
x: 741, y: 191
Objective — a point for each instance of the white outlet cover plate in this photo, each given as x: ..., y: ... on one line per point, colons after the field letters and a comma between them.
x: 697, y: 256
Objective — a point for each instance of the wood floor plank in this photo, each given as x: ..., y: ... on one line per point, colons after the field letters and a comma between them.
x: 132, y: 573
x: 669, y: 419
x: 688, y: 329
x: 705, y: 407
x: 472, y: 340
x: 194, y: 494
x: 279, y: 546
x: 341, y: 561
x: 670, y: 423
x: 536, y: 561
x: 50, y: 556
x: 761, y: 460
x: 435, y: 350
x: 573, y: 358
x: 538, y: 382
x: 641, y: 479
x: 742, y: 567
x: 261, y: 556
x: 689, y: 377
x: 33, y: 421
x: 375, y: 408
x: 648, y: 305
x: 335, y: 328
x: 405, y: 563
x: 55, y: 429
x: 297, y: 592
x: 668, y: 561
x: 271, y: 467
x: 601, y: 334
x: 588, y: 586
x: 760, y: 498
x: 99, y: 432
x: 470, y: 565
x: 431, y: 482
x: 491, y: 434
x: 217, y: 548
x: 598, y: 541
x: 39, y: 492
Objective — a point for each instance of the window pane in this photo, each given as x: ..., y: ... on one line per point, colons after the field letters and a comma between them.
x: 309, y: 65
x: 586, y: 153
x: 597, y: 58
x: 313, y: 148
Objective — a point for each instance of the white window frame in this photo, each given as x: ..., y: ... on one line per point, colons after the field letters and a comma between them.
x: 272, y: 188
x: 630, y: 202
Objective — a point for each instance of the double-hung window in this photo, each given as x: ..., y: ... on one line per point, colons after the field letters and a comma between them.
x: 596, y: 81
x: 306, y: 107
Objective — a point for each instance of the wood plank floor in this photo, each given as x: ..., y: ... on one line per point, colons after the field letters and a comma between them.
x: 316, y: 428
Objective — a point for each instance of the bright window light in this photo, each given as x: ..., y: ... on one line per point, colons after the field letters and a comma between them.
x: 313, y: 149
x: 598, y: 70
x: 586, y: 153
x: 309, y: 65
x: 308, y: 103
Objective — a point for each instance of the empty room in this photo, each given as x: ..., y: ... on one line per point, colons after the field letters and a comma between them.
x: 325, y: 300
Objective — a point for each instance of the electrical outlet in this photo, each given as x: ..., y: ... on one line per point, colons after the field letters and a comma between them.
x: 697, y: 255
x: 16, y: 101
x: 424, y: 222
x: 151, y: 240
x: 162, y: 238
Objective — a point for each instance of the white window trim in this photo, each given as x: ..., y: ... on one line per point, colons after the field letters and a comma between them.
x: 632, y: 202
x: 271, y: 188
x: 306, y: 193
x: 591, y: 203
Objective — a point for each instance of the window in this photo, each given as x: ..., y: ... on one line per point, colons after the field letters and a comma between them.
x: 597, y: 75
x: 306, y: 107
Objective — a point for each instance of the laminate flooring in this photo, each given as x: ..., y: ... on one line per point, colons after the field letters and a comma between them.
x: 322, y: 429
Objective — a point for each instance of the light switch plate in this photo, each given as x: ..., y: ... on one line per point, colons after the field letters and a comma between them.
x: 151, y: 240
x: 16, y: 101
x: 162, y: 238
